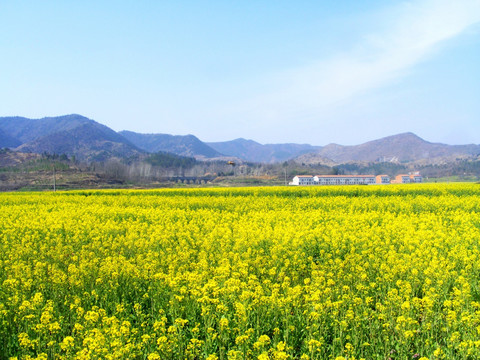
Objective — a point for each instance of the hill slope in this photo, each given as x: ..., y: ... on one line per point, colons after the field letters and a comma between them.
x: 187, y: 145
x: 27, y: 130
x: 7, y: 141
x: 70, y: 134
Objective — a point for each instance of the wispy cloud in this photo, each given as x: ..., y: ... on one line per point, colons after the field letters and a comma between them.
x: 414, y: 31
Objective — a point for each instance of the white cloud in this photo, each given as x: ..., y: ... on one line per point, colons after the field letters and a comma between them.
x: 413, y: 32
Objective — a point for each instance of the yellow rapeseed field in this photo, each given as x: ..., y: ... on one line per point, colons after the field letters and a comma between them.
x: 372, y: 272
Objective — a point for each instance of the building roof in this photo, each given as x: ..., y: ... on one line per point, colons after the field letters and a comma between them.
x: 345, y: 176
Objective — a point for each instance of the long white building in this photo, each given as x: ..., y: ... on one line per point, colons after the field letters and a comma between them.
x: 340, y: 180
x: 334, y: 180
x: 344, y: 179
x: 356, y: 179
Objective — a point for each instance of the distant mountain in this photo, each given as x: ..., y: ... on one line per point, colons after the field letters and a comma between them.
x: 187, y: 145
x: 406, y: 147
x: 70, y: 135
x: 250, y: 150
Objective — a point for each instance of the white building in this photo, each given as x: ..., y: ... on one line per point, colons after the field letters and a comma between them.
x: 303, y: 180
x: 344, y: 179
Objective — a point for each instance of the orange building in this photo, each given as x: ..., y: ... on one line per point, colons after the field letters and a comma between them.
x: 407, y: 179
x: 382, y: 179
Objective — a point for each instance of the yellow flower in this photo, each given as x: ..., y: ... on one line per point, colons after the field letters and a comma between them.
x: 67, y: 343
x: 223, y: 322
x: 263, y: 356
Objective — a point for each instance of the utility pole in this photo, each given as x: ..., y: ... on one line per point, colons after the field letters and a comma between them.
x: 285, y: 172
x: 54, y: 180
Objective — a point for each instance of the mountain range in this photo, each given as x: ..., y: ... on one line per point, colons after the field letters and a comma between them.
x: 88, y: 140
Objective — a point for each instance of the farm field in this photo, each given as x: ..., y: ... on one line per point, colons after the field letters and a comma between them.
x: 352, y: 272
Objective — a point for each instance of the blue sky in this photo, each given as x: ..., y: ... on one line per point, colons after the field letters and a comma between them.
x: 273, y: 71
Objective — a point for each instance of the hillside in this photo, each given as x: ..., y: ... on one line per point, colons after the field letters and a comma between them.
x: 401, y: 148
x: 7, y: 141
x: 187, y: 145
x: 13, y: 158
x: 253, y: 151
x: 87, y: 142
x: 73, y: 135
x: 26, y: 130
